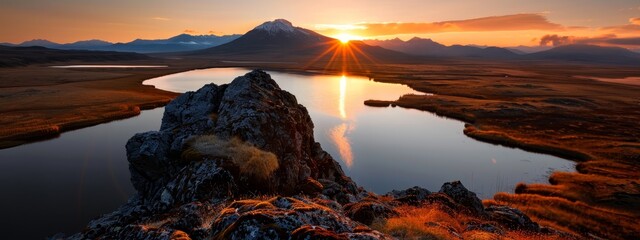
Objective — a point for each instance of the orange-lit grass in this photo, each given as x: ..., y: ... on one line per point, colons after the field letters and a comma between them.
x: 571, y: 216
x: 434, y: 222
x: 250, y: 160
x: 592, y: 189
x: 523, y: 143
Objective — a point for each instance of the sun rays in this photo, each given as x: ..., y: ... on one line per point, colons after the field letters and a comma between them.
x: 343, y: 54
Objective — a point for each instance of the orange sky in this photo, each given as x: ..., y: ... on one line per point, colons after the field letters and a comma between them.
x: 489, y: 22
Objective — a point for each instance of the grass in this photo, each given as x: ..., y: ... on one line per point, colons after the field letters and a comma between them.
x: 419, y: 223
x: 250, y: 160
x: 38, y: 102
x: 576, y: 217
x: 433, y: 221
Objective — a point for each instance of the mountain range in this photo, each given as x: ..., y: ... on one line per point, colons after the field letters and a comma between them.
x: 179, y: 43
x: 567, y: 53
x: 280, y: 41
x: 427, y: 47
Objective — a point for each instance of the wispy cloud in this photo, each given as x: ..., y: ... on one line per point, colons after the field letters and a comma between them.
x: 632, y: 28
x: 516, y: 22
x: 190, y: 31
x: 161, y: 18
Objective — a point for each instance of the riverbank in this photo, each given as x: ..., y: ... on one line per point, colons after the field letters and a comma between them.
x: 40, y: 102
x: 544, y: 109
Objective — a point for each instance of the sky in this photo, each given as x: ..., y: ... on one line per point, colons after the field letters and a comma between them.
x: 487, y: 22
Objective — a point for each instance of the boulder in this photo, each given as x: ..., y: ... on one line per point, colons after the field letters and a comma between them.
x: 413, y: 195
x: 368, y: 210
x: 512, y: 218
x: 463, y: 196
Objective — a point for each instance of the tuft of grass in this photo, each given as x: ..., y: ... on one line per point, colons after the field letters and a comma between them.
x: 419, y: 223
x: 250, y: 160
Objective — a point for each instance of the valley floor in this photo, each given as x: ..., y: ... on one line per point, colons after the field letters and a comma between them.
x: 537, y: 107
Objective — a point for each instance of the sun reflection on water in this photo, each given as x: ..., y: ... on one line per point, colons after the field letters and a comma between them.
x: 339, y: 137
x: 343, y: 94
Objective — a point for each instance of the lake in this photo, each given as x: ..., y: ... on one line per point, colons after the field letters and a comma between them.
x: 59, y: 185
x: 110, y: 66
x: 391, y: 148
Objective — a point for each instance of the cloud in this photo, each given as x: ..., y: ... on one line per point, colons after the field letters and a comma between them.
x: 190, y: 31
x: 161, y: 19
x: 555, y: 40
x: 632, y: 28
x: 608, y: 40
x: 516, y: 22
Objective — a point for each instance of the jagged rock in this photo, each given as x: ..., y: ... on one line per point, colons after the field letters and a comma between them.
x: 512, y: 218
x: 413, y: 195
x: 279, y: 218
x: 254, y: 109
x: 180, y: 191
x: 463, y: 196
x: 368, y: 210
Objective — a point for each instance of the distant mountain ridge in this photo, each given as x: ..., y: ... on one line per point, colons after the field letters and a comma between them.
x: 567, y: 53
x: 182, y: 42
x: 427, y: 47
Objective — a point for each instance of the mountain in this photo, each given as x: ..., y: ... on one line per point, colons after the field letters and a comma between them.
x: 182, y: 42
x: 87, y: 44
x: 280, y: 40
x: 588, y: 54
x: 277, y: 35
x: 427, y: 47
x: 22, y: 56
x: 39, y: 43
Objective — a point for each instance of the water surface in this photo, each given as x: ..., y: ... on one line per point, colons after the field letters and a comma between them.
x: 110, y: 66
x: 391, y: 148
x: 59, y: 185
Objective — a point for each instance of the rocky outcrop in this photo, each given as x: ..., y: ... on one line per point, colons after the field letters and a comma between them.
x: 197, y: 177
x: 179, y: 192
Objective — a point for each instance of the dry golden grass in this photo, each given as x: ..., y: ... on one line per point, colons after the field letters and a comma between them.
x: 35, y: 100
x: 419, y: 223
x: 434, y: 222
x: 576, y: 217
x: 249, y: 159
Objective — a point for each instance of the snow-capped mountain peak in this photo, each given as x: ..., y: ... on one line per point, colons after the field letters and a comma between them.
x: 275, y: 26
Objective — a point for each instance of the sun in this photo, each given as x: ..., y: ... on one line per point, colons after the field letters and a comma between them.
x: 345, y: 38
